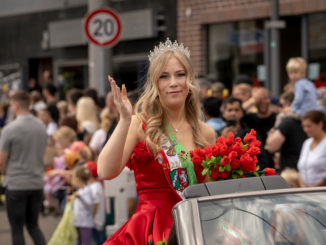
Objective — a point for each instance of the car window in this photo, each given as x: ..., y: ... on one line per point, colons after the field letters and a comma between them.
x: 273, y: 219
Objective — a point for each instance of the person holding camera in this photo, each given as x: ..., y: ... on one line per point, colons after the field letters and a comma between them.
x: 232, y: 114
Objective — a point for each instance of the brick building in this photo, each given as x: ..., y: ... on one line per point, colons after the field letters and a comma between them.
x: 227, y: 37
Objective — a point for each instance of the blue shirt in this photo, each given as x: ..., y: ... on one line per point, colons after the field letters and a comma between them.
x: 216, y: 123
x: 305, y: 97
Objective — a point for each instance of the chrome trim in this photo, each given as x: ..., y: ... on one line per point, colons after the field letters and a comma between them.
x: 197, y: 224
x: 187, y: 223
x: 262, y: 193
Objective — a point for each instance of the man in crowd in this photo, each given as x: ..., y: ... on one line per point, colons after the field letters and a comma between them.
x: 22, y: 147
x: 263, y: 120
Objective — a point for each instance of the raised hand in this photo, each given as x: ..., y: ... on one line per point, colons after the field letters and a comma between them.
x: 121, y: 100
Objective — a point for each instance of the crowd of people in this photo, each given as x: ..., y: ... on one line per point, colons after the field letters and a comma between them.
x: 56, y: 149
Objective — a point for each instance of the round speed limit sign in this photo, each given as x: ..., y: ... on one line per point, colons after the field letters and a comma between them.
x: 103, y: 27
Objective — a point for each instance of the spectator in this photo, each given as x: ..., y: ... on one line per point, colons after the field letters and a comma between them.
x: 33, y: 85
x: 211, y: 108
x: 98, y: 138
x: 232, y: 114
x: 37, y: 102
x: 204, y: 86
x: 312, y: 161
x: 22, y: 147
x: 87, y: 118
x: 49, y: 92
x: 305, y: 93
x: 243, y: 91
x: 287, y: 136
x: 73, y: 95
x: 263, y: 120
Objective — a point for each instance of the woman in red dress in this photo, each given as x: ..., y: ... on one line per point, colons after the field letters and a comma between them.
x: 155, y: 143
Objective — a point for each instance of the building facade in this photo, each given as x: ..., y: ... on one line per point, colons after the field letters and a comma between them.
x: 39, y: 35
x: 230, y: 37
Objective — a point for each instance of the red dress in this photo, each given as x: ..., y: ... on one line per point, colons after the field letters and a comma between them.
x: 156, y: 198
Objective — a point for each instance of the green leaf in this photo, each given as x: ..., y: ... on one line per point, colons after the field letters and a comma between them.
x: 205, y: 171
x: 228, y: 167
x: 222, y: 168
x: 256, y: 174
x: 244, y: 146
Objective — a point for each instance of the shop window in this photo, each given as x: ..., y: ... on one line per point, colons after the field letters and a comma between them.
x: 236, y: 48
x: 317, y: 49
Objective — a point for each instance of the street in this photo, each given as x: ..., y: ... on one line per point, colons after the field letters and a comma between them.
x: 47, y: 225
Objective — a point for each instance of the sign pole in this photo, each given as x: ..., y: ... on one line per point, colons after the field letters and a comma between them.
x: 99, y: 58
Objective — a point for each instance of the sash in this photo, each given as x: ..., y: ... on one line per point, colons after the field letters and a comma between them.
x: 177, y: 165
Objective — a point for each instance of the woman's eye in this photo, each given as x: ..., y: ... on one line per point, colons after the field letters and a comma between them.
x: 181, y: 74
x: 163, y: 76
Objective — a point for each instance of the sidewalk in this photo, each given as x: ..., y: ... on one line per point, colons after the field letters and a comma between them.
x: 47, y: 225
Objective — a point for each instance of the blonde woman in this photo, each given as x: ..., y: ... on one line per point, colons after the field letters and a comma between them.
x: 155, y: 143
x: 99, y: 136
x: 87, y: 118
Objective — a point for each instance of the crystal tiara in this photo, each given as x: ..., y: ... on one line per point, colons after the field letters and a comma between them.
x: 168, y: 45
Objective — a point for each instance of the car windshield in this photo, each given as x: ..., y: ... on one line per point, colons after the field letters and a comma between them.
x: 272, y: 219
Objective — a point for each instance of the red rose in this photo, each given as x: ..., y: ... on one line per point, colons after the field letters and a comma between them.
x: 235, y: 163
x: 230, y: 138
x: 253, y: 151
x: 233, y: 155
x: 209, y: 155
x: 269, y: 171
x: 247, y: 163
x: 251, y: 136
x: 221, y: 140
x: 225, y: 161
x: 215, y: 151
x: 224, y: 174
x: 223, y: 150
x: 237, y: 147
x: 215, y: 174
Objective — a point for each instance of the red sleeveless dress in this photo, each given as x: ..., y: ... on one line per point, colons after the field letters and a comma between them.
x: 156, y: 198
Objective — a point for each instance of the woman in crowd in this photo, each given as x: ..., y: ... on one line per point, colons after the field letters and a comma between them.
x: 155, y: 143
x: 312, y: 161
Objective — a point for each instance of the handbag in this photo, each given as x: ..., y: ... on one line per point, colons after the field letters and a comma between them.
x: 65, y: 233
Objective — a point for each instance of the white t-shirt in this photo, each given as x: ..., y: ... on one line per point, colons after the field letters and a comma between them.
x: 97, y: 140
x: 98, y: 198
x: 51, y: 128
x: 83, y: 208
x: 312, y: 163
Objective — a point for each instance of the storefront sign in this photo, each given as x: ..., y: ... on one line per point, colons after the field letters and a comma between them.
x: 103, y: 27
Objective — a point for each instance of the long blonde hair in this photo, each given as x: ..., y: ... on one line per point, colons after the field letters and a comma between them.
x: 86, y: 111
x: 150, y: 110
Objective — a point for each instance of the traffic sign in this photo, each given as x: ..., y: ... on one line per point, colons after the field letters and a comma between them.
x: 103, y: 27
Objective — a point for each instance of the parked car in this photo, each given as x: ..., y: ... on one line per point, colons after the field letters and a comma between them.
x: 260, y: 210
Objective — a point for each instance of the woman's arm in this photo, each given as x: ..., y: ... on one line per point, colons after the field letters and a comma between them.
x: 274, y: 141
x: 118, y: 149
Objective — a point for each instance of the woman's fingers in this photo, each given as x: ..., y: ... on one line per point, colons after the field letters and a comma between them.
x: 124, y: 92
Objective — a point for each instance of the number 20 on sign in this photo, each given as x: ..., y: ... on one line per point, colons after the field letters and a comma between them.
x: 103, y: 27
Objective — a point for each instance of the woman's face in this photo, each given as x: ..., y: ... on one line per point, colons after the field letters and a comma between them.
x: 172, y: 85
x: 312, y: 129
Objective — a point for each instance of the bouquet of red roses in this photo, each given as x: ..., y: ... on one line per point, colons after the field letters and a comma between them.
x: 230, y: 157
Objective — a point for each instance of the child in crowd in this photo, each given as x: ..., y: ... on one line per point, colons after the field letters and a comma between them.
x: 98, y: 205
x: 83, y: 205
x: 53, y: 180
x: 292, y: 177
x: 305, y: 93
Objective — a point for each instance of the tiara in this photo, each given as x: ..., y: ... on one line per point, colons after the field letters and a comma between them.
x: 168, y: 45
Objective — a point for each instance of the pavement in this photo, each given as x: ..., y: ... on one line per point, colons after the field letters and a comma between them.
x: 46, y: 223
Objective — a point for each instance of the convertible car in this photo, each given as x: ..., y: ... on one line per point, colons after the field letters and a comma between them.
x: 257, y: 210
